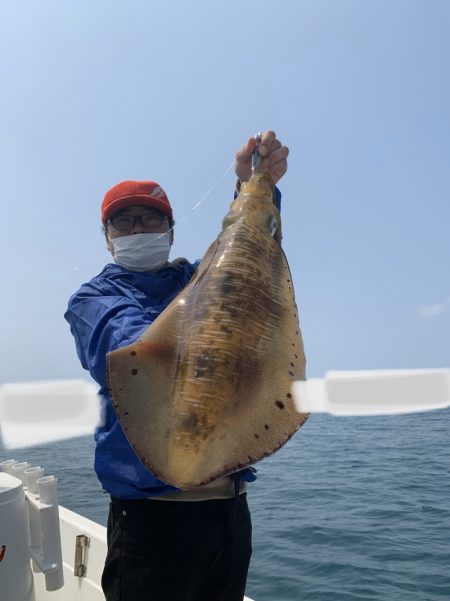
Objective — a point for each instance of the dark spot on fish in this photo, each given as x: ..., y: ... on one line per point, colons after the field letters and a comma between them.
x: 229, y: 308
x: 279, y: 404
x: 134, y: 371
x: 291, y: 373
x: 227, y: 285
x: 126, y: 413
x: 250, y: 458
x: 205, y: 363
x: 256, y: 435
x: 296, y: 331
x: 291, y: 364
x: 289, y: 395
x: 190, y: 422
x: 296, y: 356
x: 226, y: 329
x: 295, y: 315
x: 133, y: 353
x: 288, y: 280
x: 293, y: 344
x: 266, y: 426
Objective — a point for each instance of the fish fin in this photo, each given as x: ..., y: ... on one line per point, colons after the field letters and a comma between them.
x: 140, y: 379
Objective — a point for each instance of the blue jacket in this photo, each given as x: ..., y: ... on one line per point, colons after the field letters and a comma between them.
x: 111, y: 311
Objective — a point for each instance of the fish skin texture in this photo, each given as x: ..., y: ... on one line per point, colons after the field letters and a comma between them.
x: 206, y: 391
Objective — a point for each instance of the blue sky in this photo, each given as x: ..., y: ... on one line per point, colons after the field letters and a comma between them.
x: 94, y: 93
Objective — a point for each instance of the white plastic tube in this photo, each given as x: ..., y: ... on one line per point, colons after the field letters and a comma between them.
x: 18, y: 471
x: 51, y: 538
x: 383, y: 392
x: 33, y: 474
x: 5, y: 466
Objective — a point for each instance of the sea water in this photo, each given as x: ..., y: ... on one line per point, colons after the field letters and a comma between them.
x: 350, y: 509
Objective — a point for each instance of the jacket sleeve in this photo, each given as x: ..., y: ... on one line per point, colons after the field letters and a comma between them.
x: 102, y: 323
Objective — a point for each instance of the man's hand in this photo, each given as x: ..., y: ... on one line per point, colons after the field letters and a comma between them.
x: 273, y: 157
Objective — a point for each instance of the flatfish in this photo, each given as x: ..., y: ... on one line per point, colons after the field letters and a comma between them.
x: 206, y: 390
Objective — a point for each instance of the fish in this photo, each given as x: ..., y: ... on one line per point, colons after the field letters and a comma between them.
x: 206, y: 390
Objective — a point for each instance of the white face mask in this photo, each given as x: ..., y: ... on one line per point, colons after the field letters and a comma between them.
x: 141, y: 252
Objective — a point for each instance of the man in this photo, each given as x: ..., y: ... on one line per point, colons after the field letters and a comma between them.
x: 163, y: 544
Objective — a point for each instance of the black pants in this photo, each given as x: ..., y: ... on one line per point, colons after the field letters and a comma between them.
x: 177, y: 550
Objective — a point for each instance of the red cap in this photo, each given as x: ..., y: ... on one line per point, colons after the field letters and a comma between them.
x: 128, y: 193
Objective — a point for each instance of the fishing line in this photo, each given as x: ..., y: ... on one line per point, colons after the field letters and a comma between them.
x: 189, y: 213
x: 184, y: 218
x: 202, y: 200
x: 256, y: 165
